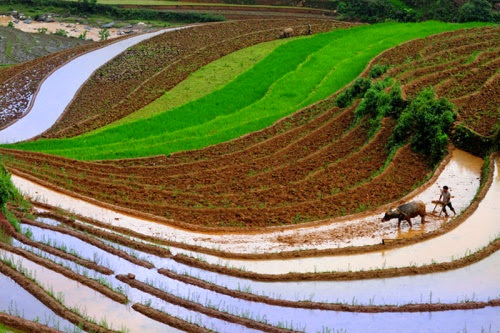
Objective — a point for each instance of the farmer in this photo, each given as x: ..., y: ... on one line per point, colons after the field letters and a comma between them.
x: 446, y: 196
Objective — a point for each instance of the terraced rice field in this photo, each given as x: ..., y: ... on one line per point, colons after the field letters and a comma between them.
x: 163, y: 203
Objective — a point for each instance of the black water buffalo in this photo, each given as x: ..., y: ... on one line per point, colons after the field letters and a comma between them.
x: 406, y: 212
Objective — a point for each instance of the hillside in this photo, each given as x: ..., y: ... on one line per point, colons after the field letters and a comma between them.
x: 17, y: 46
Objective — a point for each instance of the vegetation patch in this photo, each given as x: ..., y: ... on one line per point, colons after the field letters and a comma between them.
x: 218, y: 73
x: 226, y: 115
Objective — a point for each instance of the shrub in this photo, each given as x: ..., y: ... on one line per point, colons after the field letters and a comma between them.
x: 378, y: 70
x: 376, y: 101
x: 357, y: 89
x: 476, y: 10
x: 426, y: 123
x: 7, y: 190
x: 10, y: 24
x: 83, y: 35
x: 61, y: 32
x: 445, y: 10
x: 42, y: 30
x: 104, y: 34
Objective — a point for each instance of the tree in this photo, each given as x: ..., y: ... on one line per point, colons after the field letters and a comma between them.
x: 426, y: 123
x: 445, y: 10
x: 88, y: 5
x: 476, y: 10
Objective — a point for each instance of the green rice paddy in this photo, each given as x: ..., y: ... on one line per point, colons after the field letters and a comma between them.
x: 293, y: 75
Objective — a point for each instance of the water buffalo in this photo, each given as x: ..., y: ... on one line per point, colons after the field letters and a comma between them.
x: 406, y: 212
x: 287, y: 32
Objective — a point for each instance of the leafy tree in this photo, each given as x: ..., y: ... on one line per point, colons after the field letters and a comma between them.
x: 377, y: 70
x: 358, y: 88
x: 426, y: 123
x: 88, y: 5
x: 445, y: 10
x: 476, y: 10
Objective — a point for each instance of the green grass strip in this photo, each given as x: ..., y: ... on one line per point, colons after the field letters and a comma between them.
x: 204, y: 81
x: 294, y: 75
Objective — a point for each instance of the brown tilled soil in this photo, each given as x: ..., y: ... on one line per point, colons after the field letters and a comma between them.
x: 461, y: 66
x: 310, y: 166
x: 274, y: 255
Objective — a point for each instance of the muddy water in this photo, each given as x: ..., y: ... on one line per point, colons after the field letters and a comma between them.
x: 315, y: 320
x: 476, y: 232
x: 462, y: 176
x: 59, y: 88
x: 17, y: 301
x: 122, y: 266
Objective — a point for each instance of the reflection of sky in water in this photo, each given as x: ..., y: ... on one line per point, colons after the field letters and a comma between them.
x: 112, y: 310
x: 16, y: 301
x: 475, y: 282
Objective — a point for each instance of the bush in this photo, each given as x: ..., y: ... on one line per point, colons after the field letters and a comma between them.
x: 476, y: 10
x: 378, y: 70
x: 474, y: 143
x: 104, y: 34
x: 445, y: 10
x: 357, y: 89
x: 426, y: 123
x: 61, y: 32
x: 376, y: 101
x: 7, y: 190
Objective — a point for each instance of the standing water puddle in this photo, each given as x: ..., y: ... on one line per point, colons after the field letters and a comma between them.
x: 16, y: 301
